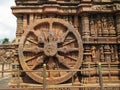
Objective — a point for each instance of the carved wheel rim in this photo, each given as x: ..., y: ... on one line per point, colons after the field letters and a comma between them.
x: 54, y: 42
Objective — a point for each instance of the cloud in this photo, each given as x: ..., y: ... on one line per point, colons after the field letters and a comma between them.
x: 7, y: 20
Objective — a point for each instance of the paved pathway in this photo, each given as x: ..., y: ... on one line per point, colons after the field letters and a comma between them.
x: 4, y: 82
x: 6, y: 77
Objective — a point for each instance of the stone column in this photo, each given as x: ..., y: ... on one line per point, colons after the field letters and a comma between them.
x: 24, y: 21
x: 31, y: 19
x: 19, y: 25
x: 76, y: 21
x: 118, y: 26
x: 85, y: 26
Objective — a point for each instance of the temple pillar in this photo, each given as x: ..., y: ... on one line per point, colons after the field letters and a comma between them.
x: 118, y: 26
x: 24, y: 22
x: 19, y: 25
x: 85, y: 26
x: 76, y: 21
x: 31, y: 19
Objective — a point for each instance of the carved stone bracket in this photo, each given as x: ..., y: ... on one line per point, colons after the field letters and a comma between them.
x: 102, y: 7
x: 116, y: 7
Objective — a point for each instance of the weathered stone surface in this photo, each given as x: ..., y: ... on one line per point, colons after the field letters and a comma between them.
x: 60, y: 32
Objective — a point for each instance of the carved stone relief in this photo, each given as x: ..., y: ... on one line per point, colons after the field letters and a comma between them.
x: 102, y: 26
x: 111, y: 26
x: 102, y: 7
x: 92, y: 28
x: 101, y: 53
x: 93, y: 52
x: 102, y: 57
x: 116, y: 7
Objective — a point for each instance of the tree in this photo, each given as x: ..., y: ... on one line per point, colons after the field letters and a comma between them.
x: 5, y: 41
x: 0, y: 41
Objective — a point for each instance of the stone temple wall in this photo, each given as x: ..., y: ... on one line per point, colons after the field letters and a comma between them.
x: 97, y: 21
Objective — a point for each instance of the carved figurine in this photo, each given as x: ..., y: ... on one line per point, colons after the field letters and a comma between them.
x: 98, y: 26
x: 93, y: 50
x: 92, y: 28
x: 105, y: 26
x: 111, y: 27
x: 112, y: 54
x: 107, y: 53
x: 102, y: 57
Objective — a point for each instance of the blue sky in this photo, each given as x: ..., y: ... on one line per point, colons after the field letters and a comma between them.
x: 7, y: 20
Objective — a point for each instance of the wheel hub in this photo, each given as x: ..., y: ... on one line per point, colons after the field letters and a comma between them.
x: 50, y: 49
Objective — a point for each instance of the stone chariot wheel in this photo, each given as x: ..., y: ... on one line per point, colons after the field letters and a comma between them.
x: 53, y: 42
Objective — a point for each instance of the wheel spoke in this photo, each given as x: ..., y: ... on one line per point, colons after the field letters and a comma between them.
x: 34, y: 49
x: 75, y: 59
x: 39, y: 61
x: 67, y: 50
x: 62, y: 61
x: 72, y: 49
x: 45, y: 36
x: 71, y: 41
x: 31, y: 58
x: 64, y: 35
x: 34, y: 42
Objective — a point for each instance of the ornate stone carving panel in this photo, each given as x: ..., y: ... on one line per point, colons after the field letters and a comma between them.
x: 102, y: 25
